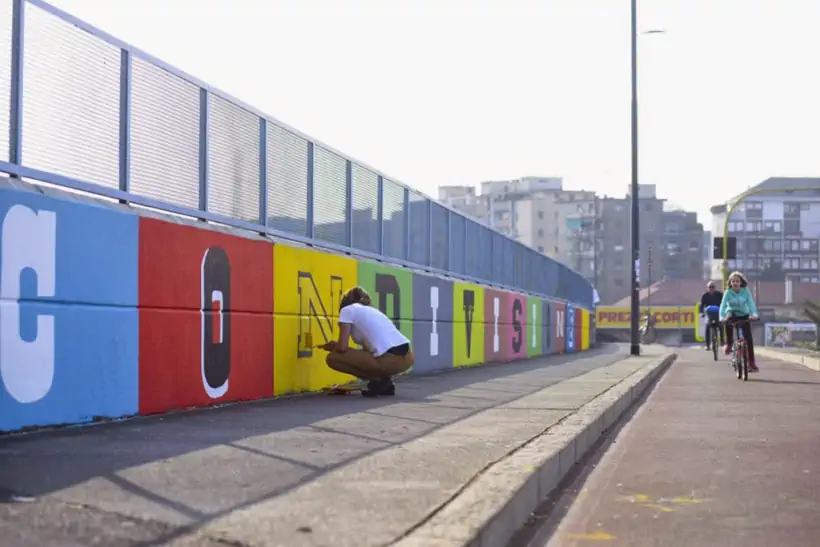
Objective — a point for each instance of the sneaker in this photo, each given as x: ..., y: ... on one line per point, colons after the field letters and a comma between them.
x: 379, y: 387
x: 388, y: 388
x: 728, y: 350
x: 753, y: 367
x: 372, y: 389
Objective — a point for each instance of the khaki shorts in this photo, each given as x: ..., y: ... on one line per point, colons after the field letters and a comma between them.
x: 362, y: 364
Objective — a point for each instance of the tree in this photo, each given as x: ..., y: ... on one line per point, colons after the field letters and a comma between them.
x: 812, y: 310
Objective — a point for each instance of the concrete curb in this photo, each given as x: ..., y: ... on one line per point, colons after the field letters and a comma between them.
x: 498, y: 503
x: 807, y: 361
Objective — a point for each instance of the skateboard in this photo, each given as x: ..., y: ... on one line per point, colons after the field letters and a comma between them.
x: 343, y: 389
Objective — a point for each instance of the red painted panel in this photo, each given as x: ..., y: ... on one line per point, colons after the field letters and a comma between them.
x: 515, y: 342
x: 190, y: 357
x: 496, y: 326
x: 559, y: 327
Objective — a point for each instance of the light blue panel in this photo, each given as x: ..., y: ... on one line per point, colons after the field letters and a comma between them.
x: 69, y: 329
x: 572, y: 343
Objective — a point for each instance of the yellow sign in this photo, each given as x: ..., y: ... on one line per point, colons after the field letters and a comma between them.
x: 666, y: 317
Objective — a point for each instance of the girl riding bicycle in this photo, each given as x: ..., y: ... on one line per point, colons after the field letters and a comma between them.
x: 738, y: 305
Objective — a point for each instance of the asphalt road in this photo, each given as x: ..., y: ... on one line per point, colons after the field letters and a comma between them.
x: 258, y: 470
x: 707, y: 460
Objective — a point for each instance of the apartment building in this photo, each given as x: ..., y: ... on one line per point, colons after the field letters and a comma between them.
x: 589, y: 233
x: 777, y: 231
x: 518, y: 208
x: 683, y: 245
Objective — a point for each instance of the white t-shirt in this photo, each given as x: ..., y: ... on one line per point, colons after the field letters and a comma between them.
x: 371, y: 329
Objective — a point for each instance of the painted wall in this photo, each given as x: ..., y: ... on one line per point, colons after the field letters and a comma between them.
x: 106, y: 314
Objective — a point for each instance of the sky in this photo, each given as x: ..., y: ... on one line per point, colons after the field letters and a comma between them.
x: 444, y: 92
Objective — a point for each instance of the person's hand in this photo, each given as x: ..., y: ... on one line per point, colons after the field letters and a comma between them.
x: 723, y: 319
x: 753, y: 318
x: 328, y: 346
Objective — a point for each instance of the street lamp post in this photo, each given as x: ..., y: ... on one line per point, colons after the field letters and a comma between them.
x: 635, y: 348
x: 635, y: 345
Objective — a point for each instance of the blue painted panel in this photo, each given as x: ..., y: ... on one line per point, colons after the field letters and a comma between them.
x: 69, y: 336
x: 432, y: 333
x: 572, y: 343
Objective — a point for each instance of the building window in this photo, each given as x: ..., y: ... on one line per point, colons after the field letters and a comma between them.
x: 541, y: 249
x: 808, y: 264
x: 772, y: 226
x: 540, y: 232
x: 541, y: 214
x: 791, y: 226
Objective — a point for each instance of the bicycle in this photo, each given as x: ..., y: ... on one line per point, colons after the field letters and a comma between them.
x: 713, y: 326
x: 740, y: 351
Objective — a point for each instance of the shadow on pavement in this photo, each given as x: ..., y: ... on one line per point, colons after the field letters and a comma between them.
x: 191, y: 467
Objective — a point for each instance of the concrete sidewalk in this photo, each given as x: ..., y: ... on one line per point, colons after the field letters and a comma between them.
x: 312, y: 470
x: 808, y: 358
x: 707, y: 460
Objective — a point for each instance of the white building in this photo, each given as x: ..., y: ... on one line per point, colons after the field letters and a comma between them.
x: 777, y: 231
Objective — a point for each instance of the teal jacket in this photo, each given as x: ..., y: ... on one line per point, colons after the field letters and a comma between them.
x: 738, y: 303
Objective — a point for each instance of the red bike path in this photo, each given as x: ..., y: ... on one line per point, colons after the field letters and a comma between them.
x: 707, y: 460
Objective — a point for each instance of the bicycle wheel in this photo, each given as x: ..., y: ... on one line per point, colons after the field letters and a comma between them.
x: 739, y: 359
x: 714, y: 343
x: 745, y: 367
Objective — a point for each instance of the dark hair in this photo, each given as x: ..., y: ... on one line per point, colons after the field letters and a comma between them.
x: 355, y: 295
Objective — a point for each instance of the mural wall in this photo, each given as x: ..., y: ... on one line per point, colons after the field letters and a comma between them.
x: 106, y: 314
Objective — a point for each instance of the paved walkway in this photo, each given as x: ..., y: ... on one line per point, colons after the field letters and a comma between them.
x: 313, y: 470
x: 707, y: 460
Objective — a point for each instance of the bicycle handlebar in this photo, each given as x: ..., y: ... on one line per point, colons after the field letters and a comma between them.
x: 740, y: 321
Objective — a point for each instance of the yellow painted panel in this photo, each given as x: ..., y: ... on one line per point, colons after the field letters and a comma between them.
x: 468, y: 330
x: 584, y: 330
x: 307, y: 288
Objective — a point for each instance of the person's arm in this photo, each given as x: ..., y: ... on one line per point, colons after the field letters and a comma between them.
x: 342, y: 343
x: 702, y: 303
x: 346, y: 319
x: 752, y: 306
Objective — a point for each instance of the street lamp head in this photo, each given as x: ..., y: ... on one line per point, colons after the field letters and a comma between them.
x: 654, y: 31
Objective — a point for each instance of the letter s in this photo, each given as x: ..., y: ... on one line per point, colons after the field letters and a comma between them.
x: 216, y: 322
x: 29, y: 242
x: 518, y: 339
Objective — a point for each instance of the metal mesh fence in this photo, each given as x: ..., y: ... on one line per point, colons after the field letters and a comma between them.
x: 102, y: 114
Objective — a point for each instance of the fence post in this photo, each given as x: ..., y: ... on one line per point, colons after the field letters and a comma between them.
x: 407, y: 224
x: 429, y: 233
x: 311, y: 231
x: 125, y: 122
x: 203, y: 149
x: 18, y: 25
x: 349, y: 203
x: 380, y: 214
x: 263, y: 172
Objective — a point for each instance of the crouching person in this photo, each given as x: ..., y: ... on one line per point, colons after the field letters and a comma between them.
x: 386, y: 352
